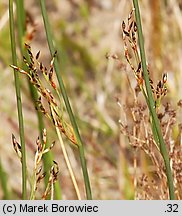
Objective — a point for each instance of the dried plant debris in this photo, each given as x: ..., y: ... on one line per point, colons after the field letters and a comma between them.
x: 150, y: 182
x: 140, y: 136
x: 150, y: 189
x: 51, y: 95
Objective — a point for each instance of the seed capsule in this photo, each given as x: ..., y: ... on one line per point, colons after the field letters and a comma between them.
x: 164, y: 78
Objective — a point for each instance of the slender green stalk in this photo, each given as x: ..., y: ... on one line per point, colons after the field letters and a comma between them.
x: 47, y: 158
x: 20, y: 21
x: 4, y: 185
x: 66, y: 100
x: 151, y: 104
x: 19, y: 104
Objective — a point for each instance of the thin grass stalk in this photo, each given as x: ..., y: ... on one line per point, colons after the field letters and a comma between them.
x: 4, y: 185
x: 66, y: 100
x: 151, y: 104
x: 20, y: 21
x: 18, y: 98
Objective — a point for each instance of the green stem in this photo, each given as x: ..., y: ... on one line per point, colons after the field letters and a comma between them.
x: 151, y: 104
x: 66, y: 100
x: 20, y: 21
x: 18, y: 98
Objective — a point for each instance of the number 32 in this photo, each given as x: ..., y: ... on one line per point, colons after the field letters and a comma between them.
x: 172, y: 208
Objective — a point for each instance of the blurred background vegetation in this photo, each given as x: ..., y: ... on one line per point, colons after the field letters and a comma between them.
x: 85, y: 31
